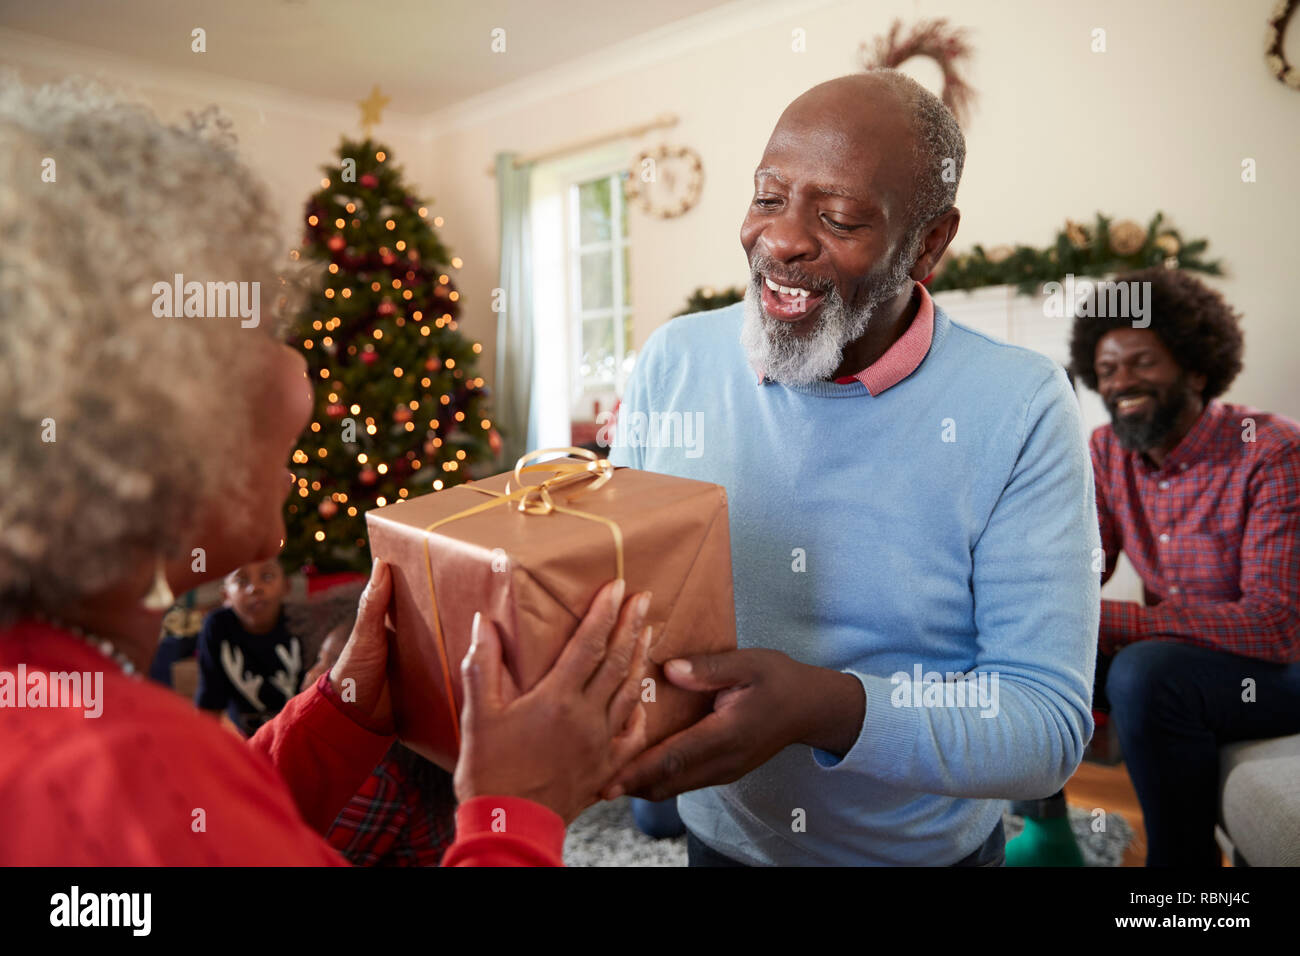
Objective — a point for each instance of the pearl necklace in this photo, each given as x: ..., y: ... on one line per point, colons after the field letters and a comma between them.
x: 101, y: 644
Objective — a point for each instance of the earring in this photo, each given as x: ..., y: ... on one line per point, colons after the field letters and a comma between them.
x: 160, y: 596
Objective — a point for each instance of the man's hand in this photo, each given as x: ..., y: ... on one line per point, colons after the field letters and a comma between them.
x: 364, y: 659
x: 765, y: 702
x: 561, y: 742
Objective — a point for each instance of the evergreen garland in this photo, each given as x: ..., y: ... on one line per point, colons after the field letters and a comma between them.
x: 706, y: 298
x: 1104, y: 248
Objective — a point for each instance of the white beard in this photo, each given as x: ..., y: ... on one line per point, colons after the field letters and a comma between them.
x: 792, y: 359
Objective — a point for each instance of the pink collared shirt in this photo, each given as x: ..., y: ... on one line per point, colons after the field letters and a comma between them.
x: 901, y: 359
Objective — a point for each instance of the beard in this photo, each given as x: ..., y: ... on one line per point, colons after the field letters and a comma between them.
x: 792, y: 358
x: 1141, y: 433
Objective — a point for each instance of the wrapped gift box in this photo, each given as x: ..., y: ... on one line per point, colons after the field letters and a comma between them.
x: 536, y: 574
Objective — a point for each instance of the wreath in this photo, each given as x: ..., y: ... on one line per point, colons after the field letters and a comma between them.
x: 1273, y: 55
x: 944, y: 44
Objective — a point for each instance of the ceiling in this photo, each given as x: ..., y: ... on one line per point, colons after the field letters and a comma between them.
x: 425, y: 54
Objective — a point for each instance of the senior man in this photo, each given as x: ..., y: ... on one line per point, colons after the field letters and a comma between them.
x: 912, y: 519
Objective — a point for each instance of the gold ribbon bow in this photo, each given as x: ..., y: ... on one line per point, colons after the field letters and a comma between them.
x: 532, y: 500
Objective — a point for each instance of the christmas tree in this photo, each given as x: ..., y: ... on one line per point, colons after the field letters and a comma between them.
x: 399, y: 409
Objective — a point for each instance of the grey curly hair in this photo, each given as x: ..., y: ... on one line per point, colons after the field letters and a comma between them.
x: 148, y: 413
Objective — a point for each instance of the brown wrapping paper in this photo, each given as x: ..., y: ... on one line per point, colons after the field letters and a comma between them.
x: 535, y: 576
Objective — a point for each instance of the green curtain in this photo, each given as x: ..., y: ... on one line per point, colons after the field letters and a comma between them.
x: 514, y: 358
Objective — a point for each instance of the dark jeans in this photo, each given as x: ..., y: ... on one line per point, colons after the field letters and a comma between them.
x: 991, y: 853
x: 657, y: 818
x: 1174, y: 705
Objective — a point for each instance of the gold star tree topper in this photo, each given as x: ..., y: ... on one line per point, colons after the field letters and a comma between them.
x: 371, y: 107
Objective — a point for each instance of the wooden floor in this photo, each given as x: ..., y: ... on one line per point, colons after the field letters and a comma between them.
x: 1094, y: 785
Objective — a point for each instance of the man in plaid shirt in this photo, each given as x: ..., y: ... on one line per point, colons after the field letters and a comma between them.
x: 1204, y: 498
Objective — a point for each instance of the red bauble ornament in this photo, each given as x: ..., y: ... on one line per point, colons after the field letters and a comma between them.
x: 369, y: 180
x: 328, y: 509
x: 388, y: 258
x: 386, y: 308
x: 336, y: 243
x: 494, y: 441
x: 402, y: 415
x: 429, y: 448
x: 368, y: 476
x: 369, y: 357
x: 433, y: 364
x: 335, y: 411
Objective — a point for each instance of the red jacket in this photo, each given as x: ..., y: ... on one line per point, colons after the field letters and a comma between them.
x: 153, y: 782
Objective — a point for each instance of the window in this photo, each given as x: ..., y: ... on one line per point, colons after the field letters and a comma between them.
x: 600, y: 293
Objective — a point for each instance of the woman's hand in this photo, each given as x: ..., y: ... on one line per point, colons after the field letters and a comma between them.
x: 360, y: 675
x: 564, y: 740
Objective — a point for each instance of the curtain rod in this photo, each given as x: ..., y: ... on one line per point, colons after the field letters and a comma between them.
x: 663, y: 121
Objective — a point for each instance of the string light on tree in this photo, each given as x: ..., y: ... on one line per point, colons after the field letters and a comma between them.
x: 381, y: 328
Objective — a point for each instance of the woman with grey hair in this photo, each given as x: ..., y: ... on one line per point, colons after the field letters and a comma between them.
x: 143, y: 451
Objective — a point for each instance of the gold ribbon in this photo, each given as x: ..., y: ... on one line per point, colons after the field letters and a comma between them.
x: 532, y: 500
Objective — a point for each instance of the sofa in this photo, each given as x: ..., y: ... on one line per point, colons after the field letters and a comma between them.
x: 1259, y: 801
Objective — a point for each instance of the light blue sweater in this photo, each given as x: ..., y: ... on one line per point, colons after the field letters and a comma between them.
x: 947, y: 524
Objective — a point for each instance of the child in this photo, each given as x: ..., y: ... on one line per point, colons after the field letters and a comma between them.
x: 330, y: 649
x: 249, y: 664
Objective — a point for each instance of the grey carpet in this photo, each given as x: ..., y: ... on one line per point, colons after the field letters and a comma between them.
x: 606, y: 836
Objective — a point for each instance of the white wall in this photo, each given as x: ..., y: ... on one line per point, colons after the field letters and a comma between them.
x: 284, y: 137
x: 1161, y: 121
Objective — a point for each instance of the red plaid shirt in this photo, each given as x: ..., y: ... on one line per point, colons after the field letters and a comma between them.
x: 389, y: 822
x: 1214, y: 534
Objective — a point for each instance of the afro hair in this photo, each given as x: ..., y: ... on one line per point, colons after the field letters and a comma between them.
x: 1196, y: 325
